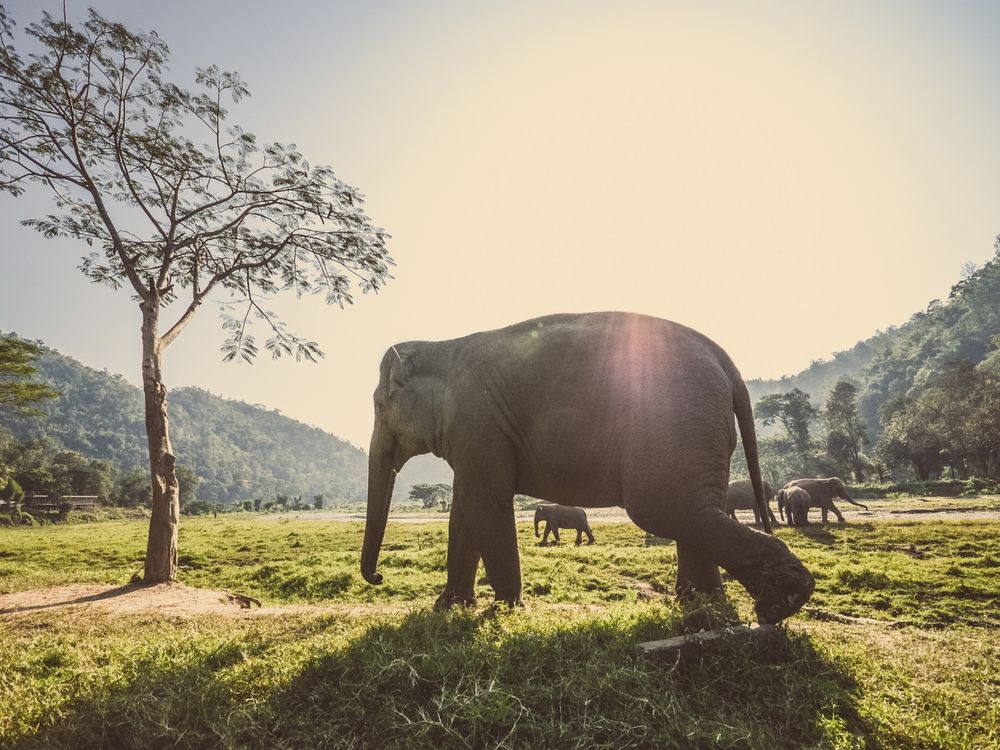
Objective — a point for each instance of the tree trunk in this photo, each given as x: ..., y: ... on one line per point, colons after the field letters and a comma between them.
x: 161, y: 547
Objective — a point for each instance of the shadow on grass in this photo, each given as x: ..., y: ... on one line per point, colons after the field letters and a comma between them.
x: 464, y: 680
x: 817, y: 533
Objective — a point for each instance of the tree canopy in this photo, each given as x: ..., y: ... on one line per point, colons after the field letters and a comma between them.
x: 432, y: 495
x: 89, y: 115
x: 18, y: 392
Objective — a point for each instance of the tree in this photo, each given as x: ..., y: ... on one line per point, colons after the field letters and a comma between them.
x: 89, y: 116
x: 17, y: 390
x: 795, y: 413
x: 133, y: 489
x: 432, y: 495
x: 846, y: 435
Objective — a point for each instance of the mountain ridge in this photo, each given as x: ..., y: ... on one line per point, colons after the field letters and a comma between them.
x: 237, y: 450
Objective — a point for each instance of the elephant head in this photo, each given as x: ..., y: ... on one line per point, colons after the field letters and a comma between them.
x: 403, y: 426
x: 839, y: 489
x: 539, y: 517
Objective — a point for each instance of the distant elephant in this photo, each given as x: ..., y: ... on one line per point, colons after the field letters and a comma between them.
x: 797, y: 501
x: 822, y: 492
x: 633, y: 410
x: 740, y: 496
x: 562, y: 517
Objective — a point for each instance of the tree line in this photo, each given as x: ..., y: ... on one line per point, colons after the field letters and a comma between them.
x: 948, y: 427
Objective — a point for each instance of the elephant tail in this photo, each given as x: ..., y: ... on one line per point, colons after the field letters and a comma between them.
x: 744, y: 418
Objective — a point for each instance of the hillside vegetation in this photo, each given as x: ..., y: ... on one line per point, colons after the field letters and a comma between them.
x: 921, y: 401
x: 890, y: 363
x: 236, y: 450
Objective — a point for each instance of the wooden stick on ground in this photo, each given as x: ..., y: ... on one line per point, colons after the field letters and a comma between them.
x: 738, y: 632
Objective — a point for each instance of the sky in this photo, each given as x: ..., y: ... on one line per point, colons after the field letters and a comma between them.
x: 787, y: 178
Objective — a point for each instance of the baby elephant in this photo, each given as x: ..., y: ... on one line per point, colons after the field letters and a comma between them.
x: 797, y: 501
x: 562, y: 517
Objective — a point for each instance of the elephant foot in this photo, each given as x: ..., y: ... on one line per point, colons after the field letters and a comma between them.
x: 447, y: 600
x: 779, y: 590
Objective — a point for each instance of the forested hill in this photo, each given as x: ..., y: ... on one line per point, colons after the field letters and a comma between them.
x: 965, y: 326
x: 238, y: 451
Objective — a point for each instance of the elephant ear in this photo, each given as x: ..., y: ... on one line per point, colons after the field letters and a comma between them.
x: 402, y: 370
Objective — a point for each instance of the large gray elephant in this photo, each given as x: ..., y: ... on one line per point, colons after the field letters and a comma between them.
x: 633, y: 410
x: 796, y: 500
x: 563, y: 517
x: 740, y: 496
x: 822, y: 492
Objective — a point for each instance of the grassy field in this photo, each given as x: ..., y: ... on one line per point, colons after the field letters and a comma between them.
x: 386, y: 672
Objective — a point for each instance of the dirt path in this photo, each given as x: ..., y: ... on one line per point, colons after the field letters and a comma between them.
x: 178, y: 600
x: 168, y: 599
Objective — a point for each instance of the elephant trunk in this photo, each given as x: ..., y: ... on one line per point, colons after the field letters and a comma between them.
x: 381, y: 480
x: 852, y: 501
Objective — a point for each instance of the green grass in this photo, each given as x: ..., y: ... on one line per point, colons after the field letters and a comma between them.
x: 557, y: 674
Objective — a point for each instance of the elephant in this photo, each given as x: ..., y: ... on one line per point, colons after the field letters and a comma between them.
x: 634, y: 410
x: 563, y: 517
x: 822, y: 492
x: 797, y: 501
x: 740, y: 496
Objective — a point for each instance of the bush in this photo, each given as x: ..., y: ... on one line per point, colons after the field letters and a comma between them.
x: 932, y: 488
x: 198, y: 508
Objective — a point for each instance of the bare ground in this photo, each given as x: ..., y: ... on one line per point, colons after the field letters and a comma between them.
x: 178, y: 600
x: 168, y: 599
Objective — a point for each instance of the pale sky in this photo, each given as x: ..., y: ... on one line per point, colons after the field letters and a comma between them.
x: 785, y: 177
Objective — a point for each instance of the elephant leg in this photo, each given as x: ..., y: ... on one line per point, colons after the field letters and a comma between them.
x: 489, y: 505
x: 837, y: 513
x: 823, y: 514
x: 463, y: 561
x: 590, y: 535
x: 555, y: 533
x: 696, y: 572
x: 763, y: 564
x: 579, y: 537
x: 545, y: 536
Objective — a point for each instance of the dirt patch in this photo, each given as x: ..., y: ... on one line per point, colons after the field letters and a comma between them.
x: 167, y: 599
x: 178, y: 600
